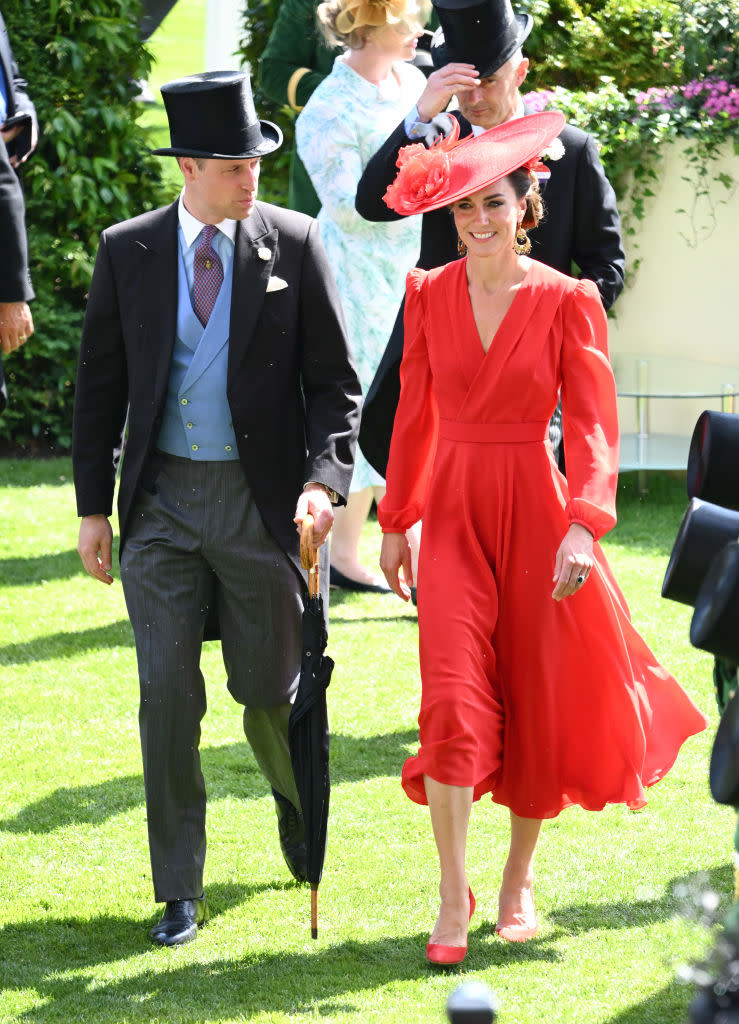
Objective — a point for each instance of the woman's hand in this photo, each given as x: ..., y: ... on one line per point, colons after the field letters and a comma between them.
x: 396, y: 554
x: 574, y: 562
x: 441, y: 85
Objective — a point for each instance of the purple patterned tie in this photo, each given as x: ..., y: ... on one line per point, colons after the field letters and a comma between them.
x: 207, y: 276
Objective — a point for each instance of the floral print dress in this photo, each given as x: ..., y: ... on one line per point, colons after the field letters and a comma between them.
x: 342, y: 125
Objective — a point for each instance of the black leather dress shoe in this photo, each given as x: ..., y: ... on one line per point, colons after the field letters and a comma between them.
x: 180, y: 922
x: 338, y: 579
x: 291, y: 827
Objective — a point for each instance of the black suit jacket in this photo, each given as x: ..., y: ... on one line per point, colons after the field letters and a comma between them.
x: 18, y: 99
x: 581, y: 226
x: 292, y: 388
x: 15, y: 281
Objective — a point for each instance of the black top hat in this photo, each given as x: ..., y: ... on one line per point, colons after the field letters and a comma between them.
x: 485, y: 33
x: 212, y: 116
x: 705, y: 529
x: 724, y: 770
x: 713, y: 459
x: 714, y: 624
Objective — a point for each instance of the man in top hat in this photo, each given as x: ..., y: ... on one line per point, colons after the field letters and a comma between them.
x: 477, y: 53
x: 16, y: 291
x: 215, y: 327
x: 19, y: 131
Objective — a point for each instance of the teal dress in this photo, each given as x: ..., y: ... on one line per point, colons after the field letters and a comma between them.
x: 342, y: 125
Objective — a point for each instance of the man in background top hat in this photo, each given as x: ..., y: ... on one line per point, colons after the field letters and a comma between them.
x: 477, y: 52
x: 214, y: 325
x: 19, y: 131
x: 16, y: 291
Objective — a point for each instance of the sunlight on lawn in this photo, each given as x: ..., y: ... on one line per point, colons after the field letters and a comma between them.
x: 77, y: 892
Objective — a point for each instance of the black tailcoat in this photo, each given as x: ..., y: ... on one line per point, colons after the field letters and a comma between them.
x: 292, y: 388
x: 15, y: 282
x: 18, y: 99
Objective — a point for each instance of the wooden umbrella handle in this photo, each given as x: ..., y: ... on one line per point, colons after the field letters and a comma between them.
x: 309, y: 554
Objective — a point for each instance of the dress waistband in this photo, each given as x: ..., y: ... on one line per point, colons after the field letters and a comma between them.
x: 493, y: 433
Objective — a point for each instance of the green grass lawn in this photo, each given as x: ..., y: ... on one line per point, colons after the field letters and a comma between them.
x: 77, y: 899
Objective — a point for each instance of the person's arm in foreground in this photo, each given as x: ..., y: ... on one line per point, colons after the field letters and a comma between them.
x: 382, y: 167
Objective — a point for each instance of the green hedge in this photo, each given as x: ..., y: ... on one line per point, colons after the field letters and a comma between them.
x: 90, y: 170
x: 576, y: 45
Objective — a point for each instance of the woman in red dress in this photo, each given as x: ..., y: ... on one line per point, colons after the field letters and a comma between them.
x: 536, y: 688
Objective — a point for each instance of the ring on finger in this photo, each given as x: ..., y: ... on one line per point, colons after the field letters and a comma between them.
x: 580, y: 580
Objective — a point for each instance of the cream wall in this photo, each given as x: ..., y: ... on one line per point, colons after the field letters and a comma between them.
x: 676, y: 328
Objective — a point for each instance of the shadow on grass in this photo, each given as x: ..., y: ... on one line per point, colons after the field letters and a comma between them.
x: 583, y: 917
x: 19, y: 572
x: 41, y: 956
x: 229, y: 770
x: 668, y: 1006
x: 115, y: 634
x: 65, y: 642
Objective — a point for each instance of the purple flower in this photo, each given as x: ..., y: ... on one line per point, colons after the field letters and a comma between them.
x: 654, y: 97
x: 693, y: 89
x: 721, y: 98
x: 538, y: 101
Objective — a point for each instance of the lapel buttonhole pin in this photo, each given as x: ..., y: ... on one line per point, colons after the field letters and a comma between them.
x: 263, y: 252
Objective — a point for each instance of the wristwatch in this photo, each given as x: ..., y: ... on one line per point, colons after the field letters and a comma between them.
x: 333, y: 497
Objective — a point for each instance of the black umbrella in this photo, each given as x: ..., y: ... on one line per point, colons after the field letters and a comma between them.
x: 309, y: 724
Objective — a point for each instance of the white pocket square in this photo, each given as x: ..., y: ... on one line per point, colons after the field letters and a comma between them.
x: 276, y: 284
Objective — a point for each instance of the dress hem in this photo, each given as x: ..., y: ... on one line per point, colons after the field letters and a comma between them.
x: 412, y: 783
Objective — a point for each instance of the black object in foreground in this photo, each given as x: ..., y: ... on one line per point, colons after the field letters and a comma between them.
x: 472, y: 1003
x: 309, y: 737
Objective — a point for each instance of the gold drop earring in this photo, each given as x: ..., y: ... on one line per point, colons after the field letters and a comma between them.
x: 522, y: 245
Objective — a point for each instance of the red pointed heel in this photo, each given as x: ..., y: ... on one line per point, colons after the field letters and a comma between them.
x: 448, y: 956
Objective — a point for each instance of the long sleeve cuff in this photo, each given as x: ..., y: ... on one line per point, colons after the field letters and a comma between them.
x: 594, y: 518
x: 414, y: 127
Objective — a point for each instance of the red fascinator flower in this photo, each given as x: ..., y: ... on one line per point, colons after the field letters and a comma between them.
x: 428, y: 179
x: 423, y: 174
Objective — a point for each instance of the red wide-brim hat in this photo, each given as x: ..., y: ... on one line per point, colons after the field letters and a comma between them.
x: 451, y: 168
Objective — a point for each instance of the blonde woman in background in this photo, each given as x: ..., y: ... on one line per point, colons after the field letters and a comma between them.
x: 372, y: 86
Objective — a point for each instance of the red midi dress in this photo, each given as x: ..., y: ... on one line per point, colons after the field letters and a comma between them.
x: 541, y: 703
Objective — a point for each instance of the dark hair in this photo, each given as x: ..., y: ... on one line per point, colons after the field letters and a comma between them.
x: 525, y: 183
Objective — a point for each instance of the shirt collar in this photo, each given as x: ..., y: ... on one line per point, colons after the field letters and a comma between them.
x: 191, y: 226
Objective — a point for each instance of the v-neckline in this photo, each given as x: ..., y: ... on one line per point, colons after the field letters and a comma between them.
x: 522, y: 287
